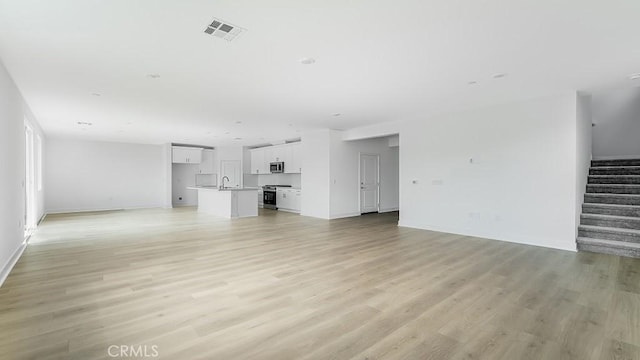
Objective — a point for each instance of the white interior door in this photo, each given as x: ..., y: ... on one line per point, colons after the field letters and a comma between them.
x: 230, y: 169
x: 369, y: 184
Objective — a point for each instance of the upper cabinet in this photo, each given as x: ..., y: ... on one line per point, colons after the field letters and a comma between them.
x: 257, y: 161
x: 261, y: 158
x: 293, y: 164
x: 186, y: 155
x: 208, y: 163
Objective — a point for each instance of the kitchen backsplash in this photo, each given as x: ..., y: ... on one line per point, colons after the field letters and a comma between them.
x: 272, y: 179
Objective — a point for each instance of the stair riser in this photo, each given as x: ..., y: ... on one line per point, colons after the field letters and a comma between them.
x: 614, y: 223
x: 587, y: 209
x: 609, y: 250
x: 614, y: 171
x: 605, y: 235
x: 611, y: 200
x: 600, y: 189
x: 625, y: 162
x: 615, y: 180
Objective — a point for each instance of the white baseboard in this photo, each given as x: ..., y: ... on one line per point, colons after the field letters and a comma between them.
x: 389, y: 209
x: 345, y: 215
x: 616, y: 157
x: 12, y: 262
x: 289, y: 211
x: 466, y: 232
x: 69, y: 211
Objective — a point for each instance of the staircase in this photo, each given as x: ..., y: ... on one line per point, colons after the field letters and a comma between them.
x: 610, y: 220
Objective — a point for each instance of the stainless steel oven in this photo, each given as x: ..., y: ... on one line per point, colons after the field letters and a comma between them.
x: 269, y: 197
x: 269, y: 193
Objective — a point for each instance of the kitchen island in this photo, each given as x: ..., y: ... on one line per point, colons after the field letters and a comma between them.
x: 230, y: 203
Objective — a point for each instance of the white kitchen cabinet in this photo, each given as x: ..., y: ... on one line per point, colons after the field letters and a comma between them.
x: 297, y: 202
x: 208, y: 163
x: 268, y: 155
x: 288, y: 199
x: 186, y: 155
x: 278, y: 153
x: 260, y: 198
x: 261, y: 158
x: 294, y: 162
x: 257, y: 161
x: 285, y: 151
x: 281, y: 202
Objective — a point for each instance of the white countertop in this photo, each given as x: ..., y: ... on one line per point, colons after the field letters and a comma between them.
x: 215, y: 188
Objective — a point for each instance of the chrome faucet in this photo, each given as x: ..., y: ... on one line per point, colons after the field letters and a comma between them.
x: 224, y: 177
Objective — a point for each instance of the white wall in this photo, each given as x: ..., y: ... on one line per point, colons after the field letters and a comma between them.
x: 184, y: 175
x: 583, y: 151
x: 330, y: 182
x: 315, y: 175
x: 344, y: 174
x: 13, y: 112
x: 521, y: 185
x: 93, y: 175
x: 616, y: 113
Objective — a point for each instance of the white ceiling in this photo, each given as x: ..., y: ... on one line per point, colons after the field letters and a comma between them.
x: 376, y: 61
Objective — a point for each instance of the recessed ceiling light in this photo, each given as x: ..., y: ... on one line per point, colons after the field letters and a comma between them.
x: 226, y: 133
x: 153, y: 76
x: 634, y: 76
x: 96, y: 94
x: 84, y: 123
x: 336, y: 114
x: 290, y: 124
x: 499, y: 76
x: 472, y: 83
x: 307, y: 61
x: 238, y: 122
x: 237, y: 139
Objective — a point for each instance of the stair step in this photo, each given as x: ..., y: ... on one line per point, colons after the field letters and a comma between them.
x: 615, y: 162
x: 611, y: 247
x: 613, y: 189
x: 609, y: 233
x: 611, y: 221
x: 611, y: 209
x: 614, y: 179
x: 615, y: 170
x: 620, y: 199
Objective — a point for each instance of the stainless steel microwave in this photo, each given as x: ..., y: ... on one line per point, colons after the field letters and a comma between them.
x: 277, y: 167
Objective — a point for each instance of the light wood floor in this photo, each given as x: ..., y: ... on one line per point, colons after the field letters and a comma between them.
x: 283, y: 286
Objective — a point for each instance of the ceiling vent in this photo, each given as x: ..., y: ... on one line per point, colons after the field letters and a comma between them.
x: 223, y: 30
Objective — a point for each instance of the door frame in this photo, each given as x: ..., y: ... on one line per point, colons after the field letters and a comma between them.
x: 377, y: 179
x: 30, y: 182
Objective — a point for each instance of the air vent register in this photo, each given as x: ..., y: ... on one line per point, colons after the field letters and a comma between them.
x: 224, y: 30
